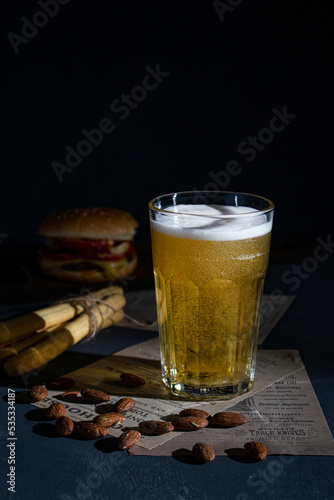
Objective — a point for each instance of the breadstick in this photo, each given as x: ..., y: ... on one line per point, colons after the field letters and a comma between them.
x: 61, y: 339
x: 22, y: 326
x: 13, y: 349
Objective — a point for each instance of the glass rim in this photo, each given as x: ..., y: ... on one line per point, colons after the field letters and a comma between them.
x: 256, y: 213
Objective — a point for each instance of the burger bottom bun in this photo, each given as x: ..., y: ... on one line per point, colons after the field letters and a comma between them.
x: 89, y: 275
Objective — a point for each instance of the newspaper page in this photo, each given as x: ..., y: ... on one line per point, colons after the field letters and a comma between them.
x: 271, y: 365
x: 286, y: 417
x: 153, y: 401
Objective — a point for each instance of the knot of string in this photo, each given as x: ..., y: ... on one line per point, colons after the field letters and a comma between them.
x: 92, y: 307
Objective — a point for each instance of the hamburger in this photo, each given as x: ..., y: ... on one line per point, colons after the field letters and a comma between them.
x: 88, y: 245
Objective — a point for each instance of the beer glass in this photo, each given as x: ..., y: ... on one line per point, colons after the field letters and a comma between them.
x: 210, y: 257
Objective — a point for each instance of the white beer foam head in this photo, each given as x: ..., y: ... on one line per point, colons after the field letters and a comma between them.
x: 211, y: 222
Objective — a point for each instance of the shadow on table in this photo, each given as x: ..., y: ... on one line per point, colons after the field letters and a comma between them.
x: 185, y: 456
x: 58, y: 367
x: 239, y: 455
x: 105, y: 375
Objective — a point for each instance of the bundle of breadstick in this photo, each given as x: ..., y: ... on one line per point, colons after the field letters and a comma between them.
x: 31, y: 340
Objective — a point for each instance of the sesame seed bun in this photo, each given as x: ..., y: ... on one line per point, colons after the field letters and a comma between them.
x: 92, y: 223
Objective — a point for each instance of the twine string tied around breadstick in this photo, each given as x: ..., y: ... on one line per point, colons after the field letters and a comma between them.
x: 91, y: 306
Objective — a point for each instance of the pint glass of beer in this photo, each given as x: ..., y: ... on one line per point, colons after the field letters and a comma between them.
x: 210, y: 256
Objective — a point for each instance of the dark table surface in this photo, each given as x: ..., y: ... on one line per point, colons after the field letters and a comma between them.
x: 49, y: 467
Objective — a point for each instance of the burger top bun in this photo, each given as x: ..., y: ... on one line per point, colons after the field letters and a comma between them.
x: 92, y: 223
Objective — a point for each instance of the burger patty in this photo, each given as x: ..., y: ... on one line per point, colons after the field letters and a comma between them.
x: 81, y: 266
x: 101, y: 265
x: 63, y: 250
x: 107, y: 269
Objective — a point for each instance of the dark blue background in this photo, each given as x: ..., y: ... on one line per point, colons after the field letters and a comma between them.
x: 225, y: 77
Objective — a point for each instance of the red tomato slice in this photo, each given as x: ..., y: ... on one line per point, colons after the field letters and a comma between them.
x: 131, y: 248
x: 90, y: 250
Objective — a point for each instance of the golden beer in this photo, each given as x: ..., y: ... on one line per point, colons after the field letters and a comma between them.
x: 208, y: 298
